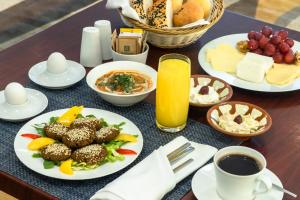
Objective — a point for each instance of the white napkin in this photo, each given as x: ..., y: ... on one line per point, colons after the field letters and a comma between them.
x: 153, y: 177
x: 128, y: 11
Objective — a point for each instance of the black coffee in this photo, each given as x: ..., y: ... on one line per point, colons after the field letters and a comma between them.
x: 239, y: 164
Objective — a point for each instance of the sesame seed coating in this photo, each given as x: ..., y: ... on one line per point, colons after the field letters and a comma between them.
x: 79, y: 137
x: 87, y: 121
x: 106, y: 134
x: 55, y: 131
x: 90, y: 154
x: 56, y: 152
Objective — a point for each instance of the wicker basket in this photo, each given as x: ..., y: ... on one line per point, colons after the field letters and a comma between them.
x: 178, y: 37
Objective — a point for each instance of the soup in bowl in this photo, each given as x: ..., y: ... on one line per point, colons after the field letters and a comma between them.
x: 122, y: 83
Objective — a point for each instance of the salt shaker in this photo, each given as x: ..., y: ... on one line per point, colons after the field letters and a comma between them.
x: 90, y: 51
x: 105, y: 38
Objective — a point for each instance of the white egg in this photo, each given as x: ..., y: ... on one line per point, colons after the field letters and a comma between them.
x: 15, y: 94
x: 56, y: 63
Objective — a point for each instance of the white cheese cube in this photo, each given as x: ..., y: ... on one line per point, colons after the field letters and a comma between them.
x: 253, y: 67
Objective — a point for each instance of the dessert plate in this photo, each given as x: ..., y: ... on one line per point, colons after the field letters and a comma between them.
x: 36, y: 164
x: 39, y: 75
x: 232, y: 79
x: 36, y: 103
x: 204, y: 185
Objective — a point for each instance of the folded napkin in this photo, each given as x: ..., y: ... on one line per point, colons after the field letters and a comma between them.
x: 153, y: 177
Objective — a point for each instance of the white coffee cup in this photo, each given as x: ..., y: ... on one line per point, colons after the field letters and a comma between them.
x: 241, y: 187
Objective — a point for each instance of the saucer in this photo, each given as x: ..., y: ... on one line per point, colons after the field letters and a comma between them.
x: 204, y: 185
x: 36, y: 103
x: 39, y: 75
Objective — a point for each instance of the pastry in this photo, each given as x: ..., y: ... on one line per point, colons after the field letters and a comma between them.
x: 190, y: 12
x: 206, y: 4
x: 176, y: 4
x: 160, y: 14
x: 141, y: 7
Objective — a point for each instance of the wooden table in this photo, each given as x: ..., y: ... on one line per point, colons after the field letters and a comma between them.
x: 281, y: 145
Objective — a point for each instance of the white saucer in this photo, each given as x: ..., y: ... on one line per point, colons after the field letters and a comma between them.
x: 204, y: 185
x: 39, y: 75
x: 36, y: 103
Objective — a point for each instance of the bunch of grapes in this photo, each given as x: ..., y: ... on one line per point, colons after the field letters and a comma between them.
x: 273, y: 44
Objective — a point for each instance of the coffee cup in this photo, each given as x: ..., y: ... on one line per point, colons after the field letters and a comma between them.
x: 239, y: 173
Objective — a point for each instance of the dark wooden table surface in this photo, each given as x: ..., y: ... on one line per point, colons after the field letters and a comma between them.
x: 281, y: 145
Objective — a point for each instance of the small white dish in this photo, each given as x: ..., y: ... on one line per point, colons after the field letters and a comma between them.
x: 204, y: 185
x: 118, y: 99
x: 141, y: 57
x: 73, y: 74
x: 36, y: 103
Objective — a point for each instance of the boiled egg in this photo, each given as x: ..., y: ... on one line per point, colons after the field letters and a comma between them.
x: 15, y: 94
x: 56, y: 63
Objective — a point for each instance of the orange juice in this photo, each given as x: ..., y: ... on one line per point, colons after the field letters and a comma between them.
x: 172, y: 92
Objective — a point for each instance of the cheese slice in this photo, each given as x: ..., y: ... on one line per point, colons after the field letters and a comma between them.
x: 253, y: 67
x: 224, y: 58
x: 283, y: 74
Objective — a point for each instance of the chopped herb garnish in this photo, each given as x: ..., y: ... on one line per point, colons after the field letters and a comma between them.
x: 123, y: 82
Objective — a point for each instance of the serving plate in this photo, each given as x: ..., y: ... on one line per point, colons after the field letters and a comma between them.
x: 241, y: 108
x: 222, y: 88
x: 36, y: 164
x: 232, y: 79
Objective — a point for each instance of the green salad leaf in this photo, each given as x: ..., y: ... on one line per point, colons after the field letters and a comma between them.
x: 37, y: 155
x: 79, y: 116
x: 40, y: 129
x: 118, y: 126
x: 48, y: 164
x: 53, y: 119
x: 91, y: 116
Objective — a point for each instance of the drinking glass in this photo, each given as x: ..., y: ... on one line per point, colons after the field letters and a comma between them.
x: 172, y: 92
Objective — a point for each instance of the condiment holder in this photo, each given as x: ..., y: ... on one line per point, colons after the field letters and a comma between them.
x: 141, y: 57
x: 18, y: 103
x: 57, y: 72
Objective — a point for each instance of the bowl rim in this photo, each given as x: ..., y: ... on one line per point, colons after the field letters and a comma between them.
x: 120, y: 95
x: 242, y: 135
x: 228, y: 96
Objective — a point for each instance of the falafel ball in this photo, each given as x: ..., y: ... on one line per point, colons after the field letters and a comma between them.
x: 106, y: 134
x: 56, y: 152
x: 79, y: 137
x: 55, y: 130
x: 91, y: 154
x: 91, y: 122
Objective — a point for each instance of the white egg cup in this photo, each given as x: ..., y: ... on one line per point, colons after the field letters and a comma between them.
x: 48, y: 75
x: 18, y: 103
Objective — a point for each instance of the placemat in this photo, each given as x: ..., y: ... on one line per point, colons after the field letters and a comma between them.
x: 142, y: 114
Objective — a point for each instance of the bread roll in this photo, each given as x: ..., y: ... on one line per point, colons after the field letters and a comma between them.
x: 206, y: 4
x: 160, y: 14
x: 176, y: 4
x: 141, y: 7
x: 190, y: 12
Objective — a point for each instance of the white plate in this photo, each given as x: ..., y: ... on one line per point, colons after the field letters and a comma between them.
x: 39, y: 75
x: 204, y: 185
x: 235, y: 81
x: 36, y: 103
x: 36, y: 164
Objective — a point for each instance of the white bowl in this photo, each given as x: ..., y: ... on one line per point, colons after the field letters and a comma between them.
x: 117, y: 99
x: 141, y: 57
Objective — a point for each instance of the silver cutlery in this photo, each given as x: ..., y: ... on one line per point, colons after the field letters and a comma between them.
x: 284, y: 190
x: 181, y: 155
x: 179, y: 167
x: 174, y: 153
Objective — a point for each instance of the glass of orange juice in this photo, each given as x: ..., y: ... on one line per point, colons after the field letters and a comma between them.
x: 172, y: 92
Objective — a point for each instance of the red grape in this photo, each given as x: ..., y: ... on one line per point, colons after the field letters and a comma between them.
x: 252, y: 44
x: 275, y: 39
x: 269, y: 49
x: 263, y: 41
x: 267, y: 31
x: 258, y: 35
x: 289, y: 57
x: 258, y: 51
x: 283, y: 34
x: 289, y: 41
x: 251, y: 35
x: 278, y: 57
x: 284, y: 47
